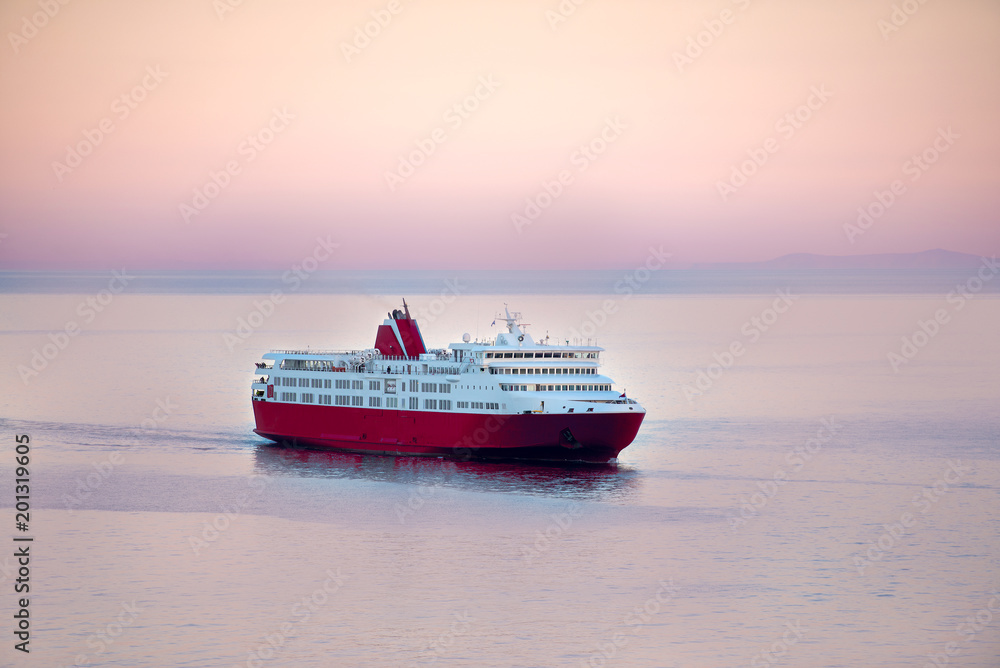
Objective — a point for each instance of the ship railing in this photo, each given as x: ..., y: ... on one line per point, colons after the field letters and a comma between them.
x: 374, y: 354
x: 372, y: 361
x: 313, y: 351
x: 398, y: 370
x: 396, y: 358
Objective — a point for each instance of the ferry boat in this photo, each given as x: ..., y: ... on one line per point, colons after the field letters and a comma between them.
x: 507, y: 398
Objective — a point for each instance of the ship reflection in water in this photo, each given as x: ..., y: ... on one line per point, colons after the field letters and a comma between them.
x: 590, y: 482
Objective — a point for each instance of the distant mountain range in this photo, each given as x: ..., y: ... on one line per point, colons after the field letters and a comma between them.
x: 931, y: 272
x: 932, y: 259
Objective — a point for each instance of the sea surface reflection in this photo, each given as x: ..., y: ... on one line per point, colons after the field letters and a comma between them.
x: 591, y: 482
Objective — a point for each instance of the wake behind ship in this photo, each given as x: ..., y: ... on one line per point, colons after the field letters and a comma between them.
x: 510, y: 398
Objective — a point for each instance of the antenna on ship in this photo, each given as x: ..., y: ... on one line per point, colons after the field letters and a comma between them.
x: 513, y: 326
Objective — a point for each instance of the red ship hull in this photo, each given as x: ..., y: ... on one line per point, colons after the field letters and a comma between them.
x: 587, y: 437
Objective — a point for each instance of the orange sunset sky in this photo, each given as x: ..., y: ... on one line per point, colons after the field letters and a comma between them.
x: 201, y: 134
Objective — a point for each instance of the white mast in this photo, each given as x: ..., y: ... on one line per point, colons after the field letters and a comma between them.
x: 512, y: 319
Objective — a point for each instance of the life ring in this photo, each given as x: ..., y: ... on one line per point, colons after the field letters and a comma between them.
x: 521, y: 338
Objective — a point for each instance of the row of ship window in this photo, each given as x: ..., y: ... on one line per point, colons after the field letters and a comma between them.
x: 307, y: 365
x: 321, y: 383
x: 415, y: 386
x: 443, y: 388
x: 373, y: 385
x: 555, y: 388
x: 326, y: 383
x: 481, y: 405
x: 328, y: 365
x: 538, y: 356
x: 550, y: 372
x: 337, y: 400
x: 377, y: 402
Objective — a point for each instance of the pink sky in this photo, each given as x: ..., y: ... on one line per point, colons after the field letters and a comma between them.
x: 674, y: 128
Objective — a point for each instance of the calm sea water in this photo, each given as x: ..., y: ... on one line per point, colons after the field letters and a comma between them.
x: 801, y: 503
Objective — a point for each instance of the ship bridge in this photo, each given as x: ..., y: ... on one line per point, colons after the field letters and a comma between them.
x: 517, y: 343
